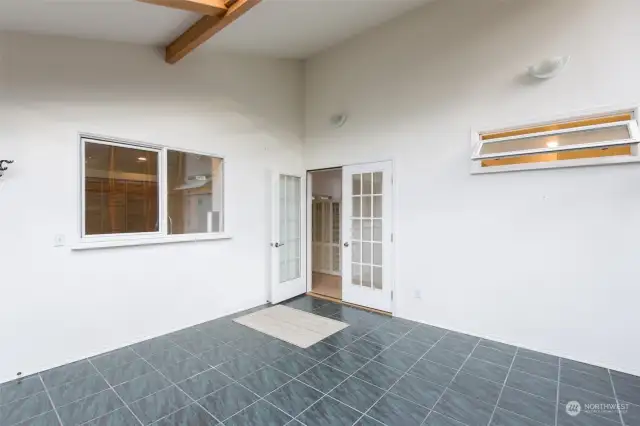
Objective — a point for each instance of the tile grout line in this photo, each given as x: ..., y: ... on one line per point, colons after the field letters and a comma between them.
x: 350, y: 375
x: 451, y: 381
x: 504, y: 385
x: 615, y: 395
x: 114, y: 391
x: 406, y: 372
x: 55, y: 410
x: 177, y: 387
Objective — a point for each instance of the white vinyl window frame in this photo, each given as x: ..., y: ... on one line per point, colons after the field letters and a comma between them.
x: 162, y: 236
x: 634, y: 140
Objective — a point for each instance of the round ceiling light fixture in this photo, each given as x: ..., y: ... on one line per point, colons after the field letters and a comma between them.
x: 548, y: 68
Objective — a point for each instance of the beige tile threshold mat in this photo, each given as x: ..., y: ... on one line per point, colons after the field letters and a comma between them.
x: 297, y: 327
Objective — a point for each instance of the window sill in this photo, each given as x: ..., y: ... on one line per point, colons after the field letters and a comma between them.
x: 145, y: 241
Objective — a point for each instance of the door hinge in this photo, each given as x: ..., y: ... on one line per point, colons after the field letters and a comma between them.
x: 391, y: 294
x: 392, y: 237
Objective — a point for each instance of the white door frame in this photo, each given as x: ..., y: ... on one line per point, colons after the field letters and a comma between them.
x: 392, y: 246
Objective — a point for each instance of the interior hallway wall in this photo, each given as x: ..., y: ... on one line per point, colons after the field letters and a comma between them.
x: 58, y: 305
x: 543, y: 259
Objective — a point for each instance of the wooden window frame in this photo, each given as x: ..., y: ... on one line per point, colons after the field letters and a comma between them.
x: 480, y: 139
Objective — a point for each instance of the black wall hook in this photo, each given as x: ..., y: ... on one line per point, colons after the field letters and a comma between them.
x: 3, y: 167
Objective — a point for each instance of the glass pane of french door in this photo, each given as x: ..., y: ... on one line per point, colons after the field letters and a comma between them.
x: 290, y: 228
x: 366, y: 225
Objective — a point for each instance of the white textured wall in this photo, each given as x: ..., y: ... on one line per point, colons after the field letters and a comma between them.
x: 544, y: 259
x: 57, y: 305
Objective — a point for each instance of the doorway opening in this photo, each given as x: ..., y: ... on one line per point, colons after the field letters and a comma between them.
x: 326, y: 233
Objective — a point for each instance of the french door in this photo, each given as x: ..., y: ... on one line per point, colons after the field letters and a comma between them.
x: 288, y: 265
x: 367, y: 235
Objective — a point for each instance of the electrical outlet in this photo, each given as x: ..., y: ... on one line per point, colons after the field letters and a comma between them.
x: 417, y: 294
x: 58, y: 240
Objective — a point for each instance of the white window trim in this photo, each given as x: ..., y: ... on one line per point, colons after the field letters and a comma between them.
x: 88, y: 242
x: 634, y: 140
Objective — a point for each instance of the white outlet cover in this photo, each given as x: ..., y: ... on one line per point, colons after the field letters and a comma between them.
x: 58, y: 240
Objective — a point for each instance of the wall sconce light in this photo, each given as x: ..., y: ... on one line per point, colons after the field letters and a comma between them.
x: 3, y: 168
x: 548, y: 68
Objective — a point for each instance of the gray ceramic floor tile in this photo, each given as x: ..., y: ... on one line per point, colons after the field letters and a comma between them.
x: 204, y: 384
x: 341, y: 339
x: 159, y: 405
x: 198, y: 344
x: 435, y: 419
x: 426, y: 333
x: 364, y: 348
x: 357, y: 394
x: 228, y: 401
x: 328, y: 411
x: 16, y: 390
x: 294, y: 397
x: 465, y: 409
x: 67, y: 373
x: 120, y: 417
x: 183, y: 370
x: 126, y: 372
x: 476, y: 387
x: 319, y: 351
x: 507, y: 418
x: 327, y: 310
x: 25, y: 408
x: 368, y: 421
x: 535, y: 385
x: 294, y: 364
x: 396, y: 359
x: 631, y: 414
x: 259, y: 414
x: 381, y: 338
x: 171, y: 356
x: 271, y: 352
x: 141, y: 387
x: 251, y: 344
x: 89, y: 408
x: 586, y: 381
x: 629, y: 379
x: 72, y: 391
x: 412, y: 347
x: 432, y: 372
x: 219, y: 355
x: 346, y: 361
x: 393, y: 410
x: 457, y: 345
x: 485, y: 370
x: 445, y: 357
x: 306, y: 303
x: 47, y: 419
x: 537, y: 368
x: 585, y: 368
x: 492, y: 355
x: 527, y: 405
x: 626, y: 390
x: 191, y: 415
x: 113, y: 359
x: 379, y: 375
x: 265, y: 380
x: 322, y: 378
x: 149, y: 347
x: 538, y: 356
x: 240, y: 366
x: 499, y: 346
x: 417, y: 390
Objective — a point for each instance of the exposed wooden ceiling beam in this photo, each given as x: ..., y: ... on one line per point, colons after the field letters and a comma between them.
x: 204, y: 7
x: 205, y: 28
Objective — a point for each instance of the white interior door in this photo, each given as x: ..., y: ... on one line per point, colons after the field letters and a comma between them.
x: 288, y: 239
x: 367, y: 230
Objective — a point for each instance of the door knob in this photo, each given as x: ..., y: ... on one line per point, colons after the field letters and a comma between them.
x: 346, y: 244
x: 276, y: 245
